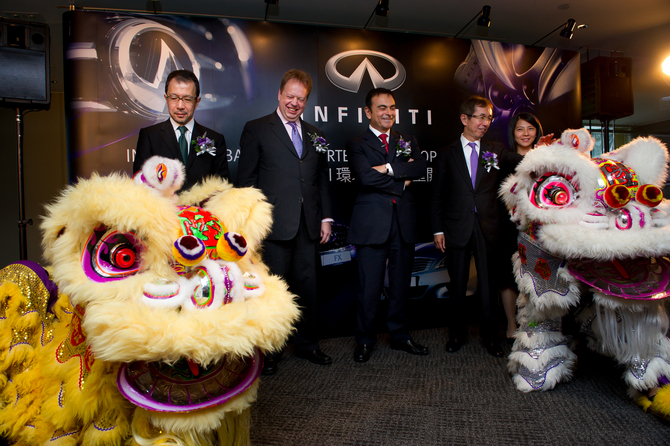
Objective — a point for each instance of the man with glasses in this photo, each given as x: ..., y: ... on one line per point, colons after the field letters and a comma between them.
x: 203, y: 151
x: 465, y: 219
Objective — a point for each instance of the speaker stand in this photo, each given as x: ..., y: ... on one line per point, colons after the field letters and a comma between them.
x: 23, y: 246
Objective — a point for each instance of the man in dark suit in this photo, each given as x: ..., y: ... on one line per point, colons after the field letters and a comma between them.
x: 383, y: 222
x: 465, y: 218
x: 180, y: 137
x: 278, y: 156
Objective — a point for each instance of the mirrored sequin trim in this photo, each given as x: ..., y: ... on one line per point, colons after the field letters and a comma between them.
x: 537, y: 351
x: 536, y: 378
x: 19, y: 337
x: 61, y: 395
x: 638, y: 367
x: 533, y: 328
x: 35, y: 292
x: 60, y: 433
x: 542, y: 267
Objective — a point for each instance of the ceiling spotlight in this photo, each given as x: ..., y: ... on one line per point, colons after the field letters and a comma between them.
x: 484, y: 19
x: 566, y: 32
x: 382, y: 8
x: 569, y: 29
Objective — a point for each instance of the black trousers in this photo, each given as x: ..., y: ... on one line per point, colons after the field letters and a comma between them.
x: 295, y: 260
x: 372, y: 261
x: 458, y: 265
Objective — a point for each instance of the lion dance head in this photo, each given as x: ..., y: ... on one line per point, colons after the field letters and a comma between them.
x: 149, y: 323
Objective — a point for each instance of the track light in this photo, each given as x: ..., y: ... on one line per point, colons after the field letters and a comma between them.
x: 569, y: 29
x: 484, y: 19
x: 566, y: 32
x: 382, y: 8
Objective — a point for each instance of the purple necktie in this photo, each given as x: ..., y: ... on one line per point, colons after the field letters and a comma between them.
x: 473, y: 163
x: 295, y: 137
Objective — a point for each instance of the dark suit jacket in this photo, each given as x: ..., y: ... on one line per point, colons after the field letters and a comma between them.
x: 160, y: 140
x: 269, y: 161
x: 373, y: 210
x: 454, y: 199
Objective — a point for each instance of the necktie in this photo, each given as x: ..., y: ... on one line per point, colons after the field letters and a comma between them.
x: 473, y: 163
x: 183, y: 145
x: 383, y: 137
x: 295, y: 138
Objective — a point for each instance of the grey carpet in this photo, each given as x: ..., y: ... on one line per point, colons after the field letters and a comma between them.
x: 462, y: 398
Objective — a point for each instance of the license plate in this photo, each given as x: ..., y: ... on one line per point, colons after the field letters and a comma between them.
x: 334, y: 258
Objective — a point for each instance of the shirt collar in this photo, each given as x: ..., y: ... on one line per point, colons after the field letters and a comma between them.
x: 189, y: 125
x: 286, y: 122
x: 377, y: 133
x: 465, y: 142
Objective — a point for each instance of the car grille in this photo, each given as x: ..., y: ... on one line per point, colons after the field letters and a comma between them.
x: 422, y: 264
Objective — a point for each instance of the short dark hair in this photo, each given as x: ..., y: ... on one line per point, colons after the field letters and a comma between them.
x: 468, y: 107
x: 531, y: 119
x: 300, y: 76
x: 376, y: 92
x: 185, y: 76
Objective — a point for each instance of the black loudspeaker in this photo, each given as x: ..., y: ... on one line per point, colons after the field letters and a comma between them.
x: 24, y: 64
x: 607, y: 88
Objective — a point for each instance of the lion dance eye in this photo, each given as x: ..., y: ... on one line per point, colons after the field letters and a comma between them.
x: 617, y: 196
x: 553, y: 190
x: 649, y: 195
x: 111, y: 255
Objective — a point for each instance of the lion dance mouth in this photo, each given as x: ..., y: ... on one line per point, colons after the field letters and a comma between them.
x: 186, y: 386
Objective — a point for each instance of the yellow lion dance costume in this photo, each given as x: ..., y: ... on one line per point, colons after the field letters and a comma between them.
x: 149, y: 325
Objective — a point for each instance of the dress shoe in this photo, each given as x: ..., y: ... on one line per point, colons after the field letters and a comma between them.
x: 493, y: 348
x: 315, y: 356
x: 454, y: 344
x: 362, y: 352
x: 269, y: 365
x: 410, y: 347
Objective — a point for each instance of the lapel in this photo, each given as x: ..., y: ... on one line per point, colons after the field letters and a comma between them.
x: 459, y: 161
x: 481, y: 170
x: 280, y: 131
x: 375, y: 143
x: 198, y: 130
x: 306, y: 139
x: 170, y: 139
x: 393, y: 140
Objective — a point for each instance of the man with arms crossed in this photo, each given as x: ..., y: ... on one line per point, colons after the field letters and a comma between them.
x: 383, y: 222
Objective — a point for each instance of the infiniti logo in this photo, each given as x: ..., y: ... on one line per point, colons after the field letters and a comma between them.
x: 353, y: 82
x: 167, y: 52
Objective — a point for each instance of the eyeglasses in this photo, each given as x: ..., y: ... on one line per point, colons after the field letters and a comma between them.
x: 481, y: 117
x: 188, y: 100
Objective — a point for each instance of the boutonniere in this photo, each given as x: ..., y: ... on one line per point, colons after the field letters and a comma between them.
x: 319, y: 142
x: 490, y: 159
x: 403, y: 147
x: 204, y: 145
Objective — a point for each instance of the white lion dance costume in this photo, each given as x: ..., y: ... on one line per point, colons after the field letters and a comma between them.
x: 596, y: 225
x: 149, y: 325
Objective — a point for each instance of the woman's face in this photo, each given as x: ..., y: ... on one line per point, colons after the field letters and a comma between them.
x: 524, y: 135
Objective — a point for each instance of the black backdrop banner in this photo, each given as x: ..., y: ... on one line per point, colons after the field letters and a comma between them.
x: 116, y: 65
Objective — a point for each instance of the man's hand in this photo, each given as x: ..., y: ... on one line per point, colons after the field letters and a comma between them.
x: 381, y: 169
x: 325, y: 232
x: 438, y: 239
x: 407, y: 183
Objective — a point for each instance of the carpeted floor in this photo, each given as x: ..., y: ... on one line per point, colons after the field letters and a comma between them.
x: 463, y: 398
